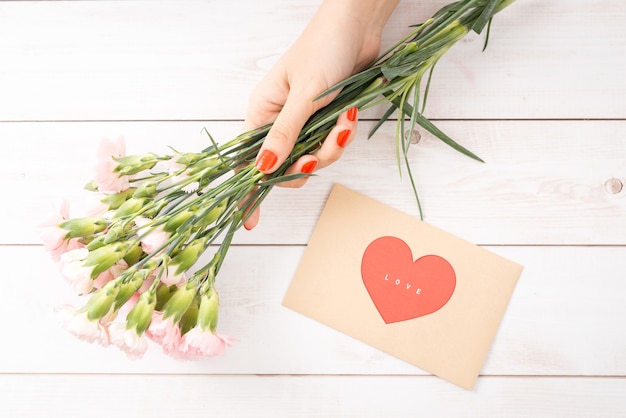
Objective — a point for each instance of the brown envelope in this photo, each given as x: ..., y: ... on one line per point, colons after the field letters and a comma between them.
x: 403, y: 286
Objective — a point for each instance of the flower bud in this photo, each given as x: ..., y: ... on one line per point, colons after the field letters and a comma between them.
x: 147, y: 189
x: 140, y: 316
x: 163, y: 295
x: 113, y: 234
x: 188, y: 256
x: 189, y: 158
x: 130, y: 207
x: 208, y: 312
x: 92, y: 186
x: 83, y: 227
x: 189, y: 318
x: 133, y: 164
x: 203, y: 165
x: 178, y: 219
x: 105, y: 257
x: 96, y: 243
x: 115, y: 200
x: 133, y: 254
x: 100, y: 303
x: 157, y: 206
x: 179, y: 302
x: 213, y: 214
x: 128, y: 287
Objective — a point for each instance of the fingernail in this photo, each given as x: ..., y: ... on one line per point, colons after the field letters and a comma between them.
x: 309, y: 167
x: 352, y: 114
x: 266, y: 160
x: 342, y: 137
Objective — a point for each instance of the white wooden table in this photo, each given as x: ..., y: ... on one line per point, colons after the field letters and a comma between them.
x: 543, y: 105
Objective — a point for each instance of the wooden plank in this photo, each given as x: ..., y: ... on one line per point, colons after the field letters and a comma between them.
x: 543, y: 181
x: 559, y: 351
x: 288, y: 396
x: 195, y: 60
x: 564, y: 318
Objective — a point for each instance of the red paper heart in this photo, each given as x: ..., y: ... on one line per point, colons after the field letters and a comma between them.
x: 401, y: 288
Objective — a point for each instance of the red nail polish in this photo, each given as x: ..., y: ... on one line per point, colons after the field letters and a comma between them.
x: 309, y: 167
x: 342, y: 137
x: 266, y: 160
x: 352, y: 114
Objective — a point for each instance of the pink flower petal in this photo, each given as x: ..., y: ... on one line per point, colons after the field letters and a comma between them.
x: 52, y: 236
x: 110, y: 274
x: 164, y: 332
x: 105, y: 176
x: 77, y: 323
x: 197, y: 343
x: 154, y: 239
x: 127, y: 340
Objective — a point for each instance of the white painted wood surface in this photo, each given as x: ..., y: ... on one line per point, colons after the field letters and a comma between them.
x: 543, y: 105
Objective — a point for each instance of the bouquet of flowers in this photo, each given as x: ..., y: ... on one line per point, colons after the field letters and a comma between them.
x: 138, y: 259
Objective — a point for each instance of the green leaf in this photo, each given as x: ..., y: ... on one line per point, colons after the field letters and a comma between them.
x: 487, y: 34
x: 410, y: 174
x: 279, y: 179
x: 426, y: 124
x: 363, y: 75
x: 427, y: 88
x: 485, y: 16
x: 382, y: 120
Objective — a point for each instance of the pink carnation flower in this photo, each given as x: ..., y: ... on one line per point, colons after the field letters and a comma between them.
x: 127, y: 340
x: 197, y: 343
x: 165, y: 333
x: 153, y: 239
x: 112, y: 273
x: 105, y: 177
x: 53, y: 237
x: 145, y: 286
x: 169, y: 277
x: 77, y: 323
x: 78, y: 275
x: 175, y: 167
x: 193, y: 345
x: 75, y: 272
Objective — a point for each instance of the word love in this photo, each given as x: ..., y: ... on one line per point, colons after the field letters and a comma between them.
x: 403, y: 289
x: 397, y: 282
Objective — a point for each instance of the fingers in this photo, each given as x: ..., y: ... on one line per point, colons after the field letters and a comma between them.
x: 284, y: 132
x: 282, y: 136
x: 330, y: 151
x: 306, y: 164
x: 338, y: 139
x: 253, y: 219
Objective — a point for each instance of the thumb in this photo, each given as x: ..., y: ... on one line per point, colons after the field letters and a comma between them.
x: 284, y: 132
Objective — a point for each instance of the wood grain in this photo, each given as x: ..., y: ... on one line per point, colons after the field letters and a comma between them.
x: 111, y: 60
x: 542, y: 183
x: 543, y: 106
x: 309, y: 396
x: 563, y: 319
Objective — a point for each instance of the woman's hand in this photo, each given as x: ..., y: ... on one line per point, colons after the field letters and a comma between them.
x: 342, y: 38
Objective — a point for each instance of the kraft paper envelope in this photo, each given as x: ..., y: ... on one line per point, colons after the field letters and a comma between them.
x: 403, y: 286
